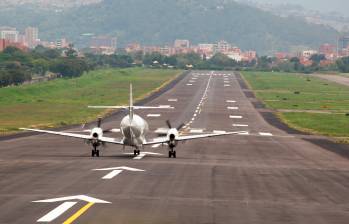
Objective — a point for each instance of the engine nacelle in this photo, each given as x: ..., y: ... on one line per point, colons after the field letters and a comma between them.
x: 96, y: 134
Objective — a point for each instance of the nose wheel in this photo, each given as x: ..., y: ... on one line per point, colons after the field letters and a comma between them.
x: 95, y: 152
x: 136, y: 152
x: 172, y: 153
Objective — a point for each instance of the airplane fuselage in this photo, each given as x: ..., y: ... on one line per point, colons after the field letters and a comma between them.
x: 134, y: 130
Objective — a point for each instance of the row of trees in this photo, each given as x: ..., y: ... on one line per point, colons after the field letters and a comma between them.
x: 17, y: 66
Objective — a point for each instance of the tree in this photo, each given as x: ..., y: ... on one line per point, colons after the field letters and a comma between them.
x: 343, y: 64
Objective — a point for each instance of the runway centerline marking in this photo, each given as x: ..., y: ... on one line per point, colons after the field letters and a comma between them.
x: 232, y: 108
x: 226, y: 85
x: 172, y: 100
x: 231, y: 101
x: 189, y: 84
x: 235, y: 117
x: 240, y: 125
x: 154, y: 115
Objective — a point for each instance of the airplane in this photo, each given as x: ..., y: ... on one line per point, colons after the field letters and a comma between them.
x: 133, y: 129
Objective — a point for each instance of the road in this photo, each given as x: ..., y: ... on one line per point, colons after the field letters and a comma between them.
x: 237, y: 179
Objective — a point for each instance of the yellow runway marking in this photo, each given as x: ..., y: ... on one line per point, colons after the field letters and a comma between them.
x: 78, y: 213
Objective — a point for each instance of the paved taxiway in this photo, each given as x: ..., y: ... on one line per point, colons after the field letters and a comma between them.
x: 235, y: 179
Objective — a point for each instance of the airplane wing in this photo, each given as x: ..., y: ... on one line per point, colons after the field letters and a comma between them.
x: 192, y: 137
x: 79, y: 136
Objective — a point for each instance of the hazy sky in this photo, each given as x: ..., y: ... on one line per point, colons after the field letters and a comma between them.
x: 321, y: 5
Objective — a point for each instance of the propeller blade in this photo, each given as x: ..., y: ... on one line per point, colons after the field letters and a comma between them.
x: 180, y: 126
x: 99, y: 122
x: 169, y: 124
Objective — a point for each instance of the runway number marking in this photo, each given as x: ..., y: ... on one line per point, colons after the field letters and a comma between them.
x: 68, y: 203
x: 116, y: 171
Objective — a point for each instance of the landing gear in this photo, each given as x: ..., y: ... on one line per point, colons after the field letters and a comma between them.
x: 95, y: 152
x: 136, y: 152
x: 172, y: 153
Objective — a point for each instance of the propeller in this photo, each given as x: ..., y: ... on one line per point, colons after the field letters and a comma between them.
x: 169, y: 125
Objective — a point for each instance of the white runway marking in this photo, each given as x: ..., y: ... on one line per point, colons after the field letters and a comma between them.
x: 235, y: 117
x: 172, y: 100
x: 112, y: 174
x: 189, y: 84
x: 231, y: 101
x: 192, y: 81
x: 219, y: 132
x: 233, y: 108
x: 156, y: 146
x: 226, y: 85
x: 265, y: 134
x: 154, y: 115
x: 244, y: 133
x: 52, y: 215
x: 196, y: 130
x: 226, y: 82
x: 240, y: 125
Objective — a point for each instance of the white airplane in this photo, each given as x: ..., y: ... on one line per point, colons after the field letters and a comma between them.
x: 133, y: 129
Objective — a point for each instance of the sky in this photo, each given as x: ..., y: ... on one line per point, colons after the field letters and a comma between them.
x: 341, y: 6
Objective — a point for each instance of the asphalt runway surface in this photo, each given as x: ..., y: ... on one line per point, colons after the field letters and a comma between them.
x: 254, y: 178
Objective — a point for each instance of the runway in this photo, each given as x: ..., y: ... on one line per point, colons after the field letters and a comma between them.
x: 257, y: 177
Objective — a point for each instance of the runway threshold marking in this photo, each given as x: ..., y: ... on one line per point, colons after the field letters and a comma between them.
x: 72, y: 218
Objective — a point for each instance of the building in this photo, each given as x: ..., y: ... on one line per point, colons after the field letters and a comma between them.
x: 133, y: 47
x: 9, y: 33
x: 343, y: 42
x: 32, y: 36
x: 182, y: 44
x: 222, y: 47
x: 308, y: 53
x: 7, y: 43
x: 62, y: 43
x: 104, y: 42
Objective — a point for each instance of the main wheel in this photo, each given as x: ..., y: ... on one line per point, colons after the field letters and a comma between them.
x: 135, y: 152
x: 174, y: 154
x: 169, y: 154
x: 97, y: 153
x: 138, y: 152
x: 93, y: 153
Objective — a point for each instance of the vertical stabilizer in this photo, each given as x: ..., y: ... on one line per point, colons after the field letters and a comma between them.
x: 131, y: 104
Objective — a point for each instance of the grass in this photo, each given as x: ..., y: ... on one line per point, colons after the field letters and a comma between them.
x: 64, y: 101
x: 311, y: 96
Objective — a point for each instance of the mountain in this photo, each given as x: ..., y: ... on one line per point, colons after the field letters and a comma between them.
x: 325, y: 6
x: 163, y: 21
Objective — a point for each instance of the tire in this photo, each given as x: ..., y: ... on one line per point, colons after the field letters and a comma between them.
x: 174, y: 154
x: 93, y: 153
x: 97, y: 153
x: 169, y: 154
x: 135, y: 152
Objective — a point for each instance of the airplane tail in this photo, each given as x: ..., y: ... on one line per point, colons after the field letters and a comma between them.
x: 130, y: 109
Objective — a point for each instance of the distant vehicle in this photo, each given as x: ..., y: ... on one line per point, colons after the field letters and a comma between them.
x: 133, y: 129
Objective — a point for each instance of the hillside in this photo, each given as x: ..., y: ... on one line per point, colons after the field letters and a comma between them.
x: 162, y: 21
